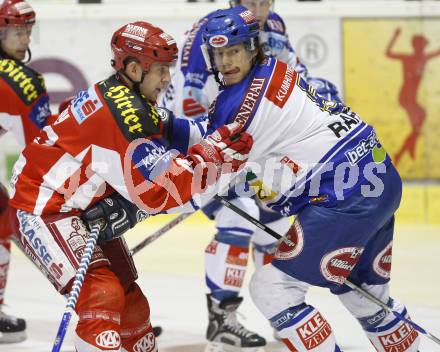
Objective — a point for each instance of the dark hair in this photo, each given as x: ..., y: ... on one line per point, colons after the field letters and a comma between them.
x: 261, y: 56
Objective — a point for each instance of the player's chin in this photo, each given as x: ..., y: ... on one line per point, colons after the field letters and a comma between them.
x: 231, y: 79
x: 20, y: 54
x: 155, y: 94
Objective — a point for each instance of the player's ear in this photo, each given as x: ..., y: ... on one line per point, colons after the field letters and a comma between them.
x: 133, y: 70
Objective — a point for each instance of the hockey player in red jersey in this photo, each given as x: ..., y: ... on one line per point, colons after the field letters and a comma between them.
x: 24, y: 110
x: 112, y: 138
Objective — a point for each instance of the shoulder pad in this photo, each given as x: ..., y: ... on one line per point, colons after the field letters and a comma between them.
x: 135, y: 117
x: 27, y: 84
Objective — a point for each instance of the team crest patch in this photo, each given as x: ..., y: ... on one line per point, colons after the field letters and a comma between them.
x: 164, y: 114
x: 382, y: 262
x: 108, y: 339
x: 292, y: 244
x: 85, y: 104
x: 146, y: 344
x: 338, y: 264
x: 218, y: 41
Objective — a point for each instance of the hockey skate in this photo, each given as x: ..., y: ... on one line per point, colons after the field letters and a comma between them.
x: 12, y: 329
x: 225, y: 333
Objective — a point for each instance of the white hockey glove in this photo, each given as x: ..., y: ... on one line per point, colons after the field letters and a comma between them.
x: 115, y: 215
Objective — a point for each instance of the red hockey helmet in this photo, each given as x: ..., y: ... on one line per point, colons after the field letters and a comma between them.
x: 16, y: 13
x: 143, y: 42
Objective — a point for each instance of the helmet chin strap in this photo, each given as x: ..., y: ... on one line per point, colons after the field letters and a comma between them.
x: 136, y: 84
x: 29, y: 52
x: 209, y: 61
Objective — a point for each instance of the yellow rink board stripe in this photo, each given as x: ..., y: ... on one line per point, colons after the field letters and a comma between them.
x: 420, y: 205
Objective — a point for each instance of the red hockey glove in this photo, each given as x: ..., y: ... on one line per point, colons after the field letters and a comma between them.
x: 225, y: 151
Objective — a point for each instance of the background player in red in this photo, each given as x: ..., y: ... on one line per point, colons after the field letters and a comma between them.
x: 24, y: 110
x: 413, y: 67
x: 73, y: 164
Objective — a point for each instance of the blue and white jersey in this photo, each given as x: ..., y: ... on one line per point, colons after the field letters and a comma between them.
x: 306, y: 150
x: 186, y: 132
x: 193, y: 87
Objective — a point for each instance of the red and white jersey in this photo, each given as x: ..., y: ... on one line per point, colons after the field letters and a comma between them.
x: 24, y: 103
x: 108, y: 139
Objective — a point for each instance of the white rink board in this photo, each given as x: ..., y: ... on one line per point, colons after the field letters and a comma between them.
x: 85, y: 44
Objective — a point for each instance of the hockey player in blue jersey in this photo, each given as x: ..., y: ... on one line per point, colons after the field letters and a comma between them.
x: 190, y: 93
x: 323, y: 164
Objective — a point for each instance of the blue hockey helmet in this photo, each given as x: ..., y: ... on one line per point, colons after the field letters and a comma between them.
x: 231, y: 27
x: 227, y: 28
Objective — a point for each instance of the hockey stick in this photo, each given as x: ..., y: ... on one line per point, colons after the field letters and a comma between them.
x: 154, y: 236
x: 76, y: 288
x: 358, y: 289
x: 385, y: 306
